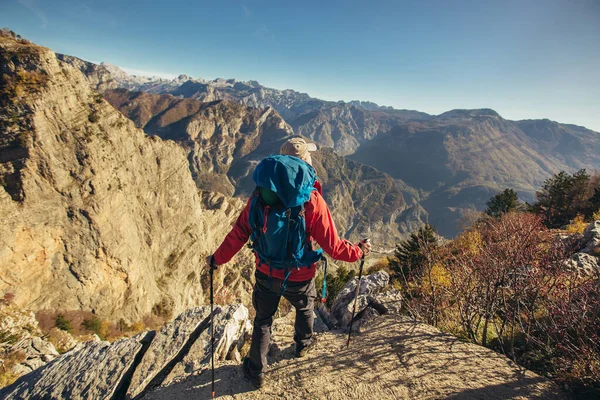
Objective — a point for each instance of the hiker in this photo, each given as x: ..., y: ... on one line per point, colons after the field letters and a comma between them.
x: 288, y: 197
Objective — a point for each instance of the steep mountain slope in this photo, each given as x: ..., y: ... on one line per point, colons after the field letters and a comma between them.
x: 574, y: 146
x: 218, y: 136
x: 366, y: 202
x: 225, y: 140
x: 463, y: 157
x: 96, y: 215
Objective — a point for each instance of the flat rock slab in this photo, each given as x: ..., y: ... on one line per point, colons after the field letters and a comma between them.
x: 92, y: 370
x: 165, y: 347
x: 231, y: 324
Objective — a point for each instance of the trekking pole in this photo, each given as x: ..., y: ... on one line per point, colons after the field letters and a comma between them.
x: 360, y: 271
x: 212, y: 326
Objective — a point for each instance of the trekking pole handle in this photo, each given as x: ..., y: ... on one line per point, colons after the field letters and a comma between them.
x: 366, y: 240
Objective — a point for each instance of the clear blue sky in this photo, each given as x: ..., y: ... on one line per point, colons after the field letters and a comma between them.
x: 525, y: 59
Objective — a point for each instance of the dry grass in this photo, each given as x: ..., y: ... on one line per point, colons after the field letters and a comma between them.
x: 6, y: 365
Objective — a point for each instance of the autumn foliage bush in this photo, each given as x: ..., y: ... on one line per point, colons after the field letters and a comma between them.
x: 504, y: 284
x: 81, y: 324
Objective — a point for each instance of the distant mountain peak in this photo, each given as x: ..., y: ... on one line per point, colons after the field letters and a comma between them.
x: 469, y: 113
x: 368, y: 105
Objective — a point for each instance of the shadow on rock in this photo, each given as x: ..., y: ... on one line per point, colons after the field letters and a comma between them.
x: 229, y: 381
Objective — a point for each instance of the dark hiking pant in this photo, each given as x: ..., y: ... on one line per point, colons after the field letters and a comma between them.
x: 265, y: 299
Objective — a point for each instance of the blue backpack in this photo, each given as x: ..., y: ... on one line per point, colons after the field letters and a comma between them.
x: 283, y: 184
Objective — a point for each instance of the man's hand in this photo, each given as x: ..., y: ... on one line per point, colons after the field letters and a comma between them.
x: 365, y: 246
x: 210, y: 263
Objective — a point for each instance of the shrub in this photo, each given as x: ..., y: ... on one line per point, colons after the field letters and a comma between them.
x: 335, y: 283
x: 93, y: 117
x: 409, y: 257
x: 7, y: 337
x: 577, y: 225
x: 164, y: 308
x: 8, y: 298
x: 62, y: 323
x: 93, y: 324
x: 9, y: 361
x: 382, y: 264
x: 506, y: 285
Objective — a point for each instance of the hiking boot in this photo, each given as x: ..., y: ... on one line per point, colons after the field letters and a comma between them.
x: 257, y: 380
x: 302, y: 351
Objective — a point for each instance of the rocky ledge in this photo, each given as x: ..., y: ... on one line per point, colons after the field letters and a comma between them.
x: 130, y: 367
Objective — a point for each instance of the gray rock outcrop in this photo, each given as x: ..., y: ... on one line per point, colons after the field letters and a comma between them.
x: 131, y: 367
x: 98, y: 76
x: 166, y: 345
x: 232, y: 325
x: 343, y: 304
x: 36, y: 351
x: 93, y: 370
x: 23, y: 347
x: 591, y: 238
x: 584, y: 264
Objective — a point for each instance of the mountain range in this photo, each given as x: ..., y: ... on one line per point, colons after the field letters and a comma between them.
x: 449, y: 164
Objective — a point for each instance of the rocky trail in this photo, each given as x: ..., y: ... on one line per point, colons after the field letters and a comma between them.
x: 391, y: 359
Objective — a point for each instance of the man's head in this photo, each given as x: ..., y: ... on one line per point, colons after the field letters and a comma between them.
x: 299, y: 148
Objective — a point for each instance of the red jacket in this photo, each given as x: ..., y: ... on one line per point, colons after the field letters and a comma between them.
x: 319, y: 226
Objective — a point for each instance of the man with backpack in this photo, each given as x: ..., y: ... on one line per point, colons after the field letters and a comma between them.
x: 283, y: 216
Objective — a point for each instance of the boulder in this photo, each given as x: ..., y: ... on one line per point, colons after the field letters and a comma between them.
x: 590, y: 242
x: 23, y: 345
x: 37, y: 352
x: 62, y: 340
x: 387, y: 302
x: 319, y: 325
x: 325, y: 316
x: 231, y: 325
x: 130, y: 367
x: 365, y: 319
x: 584, y: 264
x: 343, y: 304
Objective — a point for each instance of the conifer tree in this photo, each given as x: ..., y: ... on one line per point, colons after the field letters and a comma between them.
x: 409, y: 257
x: 503, y: 203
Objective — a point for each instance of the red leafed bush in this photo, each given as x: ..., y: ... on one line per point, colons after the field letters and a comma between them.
x: 504, y: 284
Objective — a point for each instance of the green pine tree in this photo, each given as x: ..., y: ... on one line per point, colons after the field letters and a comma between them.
x: 563, y: 197
x: 503, y: 203
x: 408, y: 261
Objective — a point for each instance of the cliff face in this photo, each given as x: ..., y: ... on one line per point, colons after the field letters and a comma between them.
x: 96, y: 215
x: 223, y: 140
